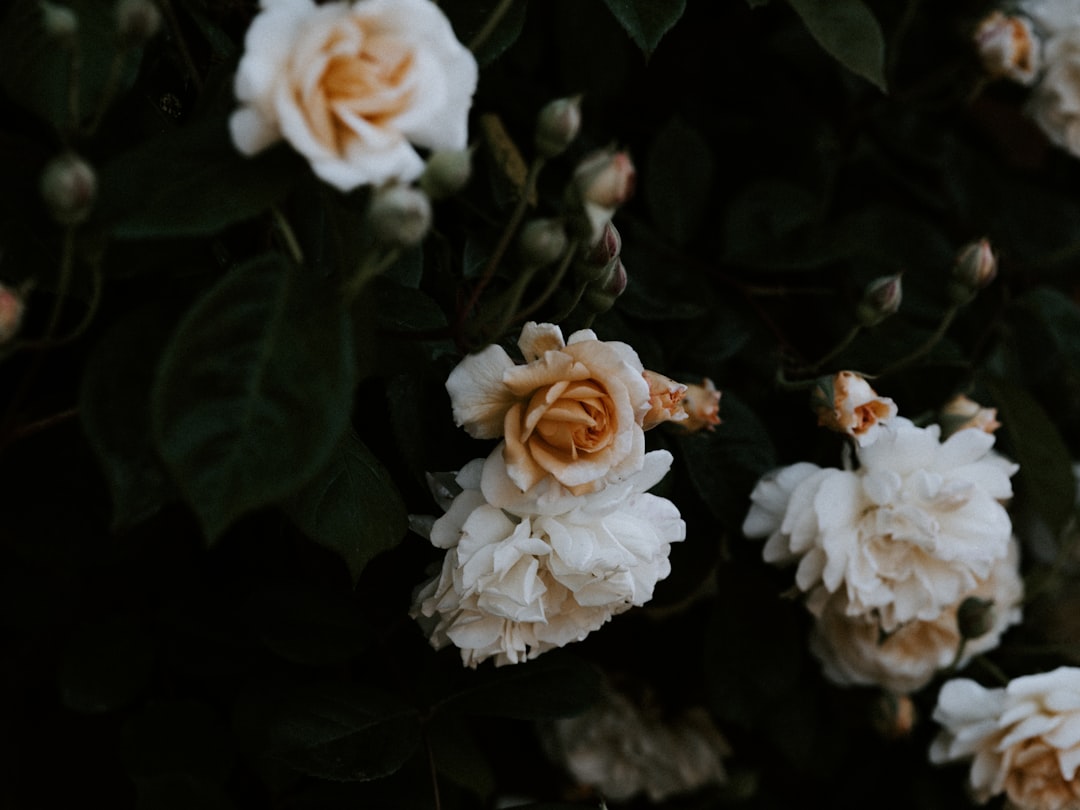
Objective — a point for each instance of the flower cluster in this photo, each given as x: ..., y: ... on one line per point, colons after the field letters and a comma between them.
x: 623, y: 750
x: 888, y: 552
x: 1024, y: 739
x: 1040, y: 47
x: 554, y: 532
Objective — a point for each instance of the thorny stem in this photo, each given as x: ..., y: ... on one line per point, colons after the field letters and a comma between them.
x: 97, y: 279
x: 927, y: 345
x: 373, y: 265
x: 490, y: 25
x: 116, y: 70
x: 181, y: 44
x: 433, y: 771
x: 30, y: 428
x: 992, y: 669
x: 835, y: 351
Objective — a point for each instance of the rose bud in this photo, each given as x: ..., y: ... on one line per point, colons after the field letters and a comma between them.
x: 60, y: 22
x: 136, y: 21
x: 847, y: 404
x: 12, y: 306
x: 446, y: 173
x: 607, y: 248
x: 1008, y: 47
x: 975, y: 617
x: 893, y: 716
x: 881, y: 298
x: 69, y: 186
x: 605, y: 178
x: 557, y: 125
x: 702, y: 406
x: 665, y: 396
x: 975, y: 268
x: 541, y: 242
x: 399, y: 215
x: 961, y: 413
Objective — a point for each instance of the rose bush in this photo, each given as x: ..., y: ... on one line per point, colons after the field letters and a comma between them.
x: 352, y: 86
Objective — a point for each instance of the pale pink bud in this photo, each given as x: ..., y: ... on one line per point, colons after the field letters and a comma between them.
x: 557, y: 125
x: 665, y: 396
x: 961, y: 413
x: 12, y: 306
x: 69, y: 187
x: 847, y: 404
x: 607, y: 247
x: 136, y: 21
x: 976, y: 265
x: 881, y: 298
x: 702, y: 406
x: 399, y: 215
x: 1008, y: 47
x: 542, y: 241
x: 606, y: 178
x: 616, y: 279
x: 446, y: 173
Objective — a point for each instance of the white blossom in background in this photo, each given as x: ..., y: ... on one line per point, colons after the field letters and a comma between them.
x: 623, y: 751
x: 1023, y: 740
x: 904, y: 537
x: 854, y: 651
x: 526, y: 572
x: 353, y: 86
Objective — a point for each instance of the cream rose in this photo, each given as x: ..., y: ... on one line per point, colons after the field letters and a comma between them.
x: 518, y: 580
x: 854, y: 651
x: 1055, y: 101
x: 1008, y: 47
x: 352, y: 85
x: 905, y: 536
x: 1024, y: 740
x: 573, y: 410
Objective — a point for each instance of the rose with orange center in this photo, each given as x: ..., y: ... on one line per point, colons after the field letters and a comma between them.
x: 352, y: 86
x: 847, y: 404
x: 573, y: 410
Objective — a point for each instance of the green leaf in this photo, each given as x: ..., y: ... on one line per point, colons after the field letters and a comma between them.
x: 191, y: 182
x: 678, y: 180
x: 457, y: 755
x: 182, y: 737
x: 725, y: 464
x: 351, y: 506
x: 1059, y: 318
x: 105, y: 666
x: 35, y: 67
x: 849, y: 32
x: 115, y: 413
x: 555, y: 685
x: 1045, y: 463
x: 254, y: 392
x: 646, y: 21
x: 340, y: 732
x: 470, y: 18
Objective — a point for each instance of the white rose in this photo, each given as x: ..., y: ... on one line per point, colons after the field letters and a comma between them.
x: 1052, y: 16
x: 622, y: 751
x: 350, y: 85
x: 1055, y: 101
x: 1024, y: 740
x: 515, y: 582
x: 906, y: 535
x: 853, y: 651
x: 573, y: 410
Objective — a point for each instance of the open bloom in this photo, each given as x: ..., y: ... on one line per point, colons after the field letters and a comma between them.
x: 623, y: 750
x: 527, y: 572
x: 905, y: 536
x: 352, y: 85
x: 1024, y: 740
x: 847, y: 404
x: 854, y: 651
x: 573, y: 410
x: 1008, y: 47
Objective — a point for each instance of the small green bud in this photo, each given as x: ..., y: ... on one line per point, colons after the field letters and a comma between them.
x: 975, y: 268
x: 446, y: 173
x: 541, y: 242
x: 600, y: 295
x: 59, y: 21
x: 880, y: 299
x: 557, y: 126
x: 399, y: 215
x: 975, y: 617
x: 136, y: 21
x: 69, y: 188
